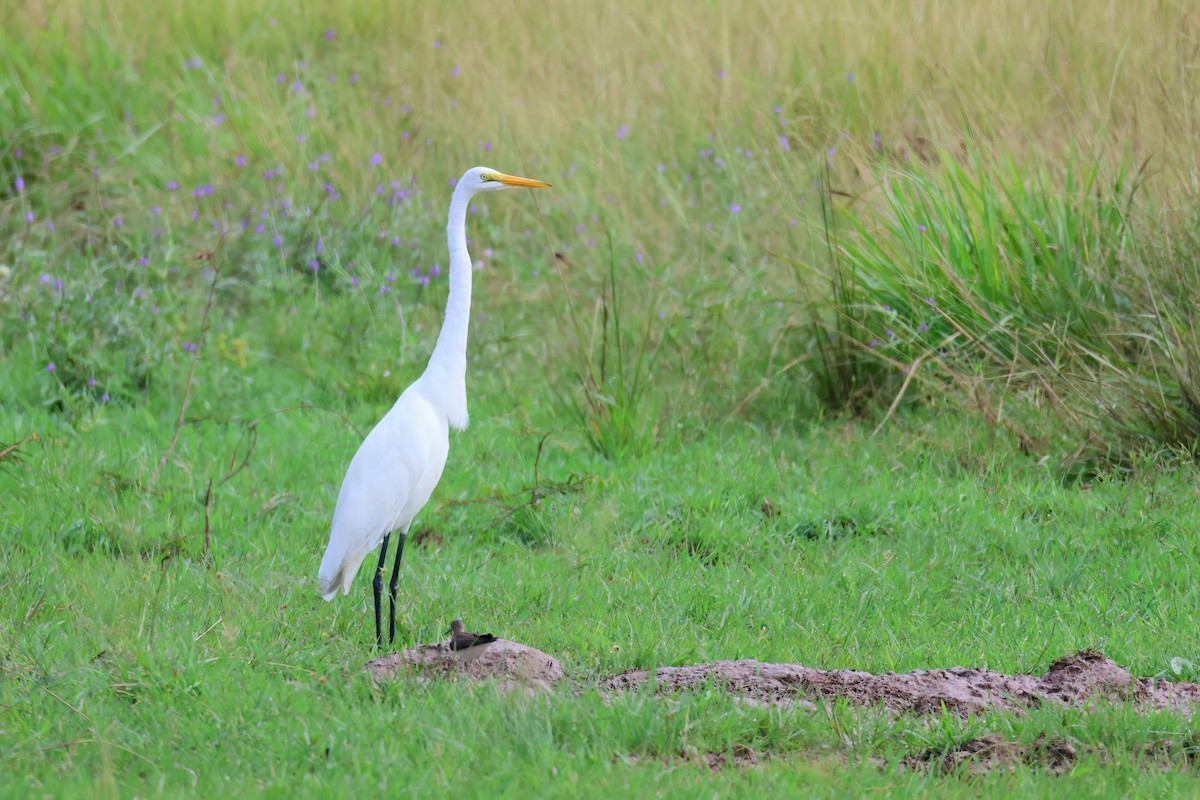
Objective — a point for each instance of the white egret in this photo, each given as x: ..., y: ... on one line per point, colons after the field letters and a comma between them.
x: 400, y: 462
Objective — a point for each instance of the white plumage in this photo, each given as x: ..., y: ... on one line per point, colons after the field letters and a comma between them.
x: 389, y: 481
x: 396, y: 468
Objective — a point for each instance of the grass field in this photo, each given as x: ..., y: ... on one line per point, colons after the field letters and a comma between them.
x: 920, y: 275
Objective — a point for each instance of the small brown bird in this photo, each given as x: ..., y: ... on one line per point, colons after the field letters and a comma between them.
x: 468, y: 646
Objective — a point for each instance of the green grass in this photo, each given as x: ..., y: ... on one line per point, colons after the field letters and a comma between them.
x: 705, y: 343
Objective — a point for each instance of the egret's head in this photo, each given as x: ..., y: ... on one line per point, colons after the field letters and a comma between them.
x: 486, y: 179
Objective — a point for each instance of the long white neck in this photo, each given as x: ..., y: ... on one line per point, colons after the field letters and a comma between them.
x: 447, y: 370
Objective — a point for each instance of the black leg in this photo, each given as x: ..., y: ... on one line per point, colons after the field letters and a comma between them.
x: 395, y: 583
x: 377, y: 588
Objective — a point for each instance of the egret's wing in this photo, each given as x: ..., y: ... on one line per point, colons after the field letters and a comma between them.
x: 375, y: 492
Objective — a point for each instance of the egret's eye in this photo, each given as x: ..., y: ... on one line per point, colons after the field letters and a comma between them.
x: 487, y: 176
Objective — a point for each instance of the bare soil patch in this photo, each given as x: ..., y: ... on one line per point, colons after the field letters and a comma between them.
x: 740, y: 757
x: 1076, y: 680
x: 1073, y: 680
x: 511, y: 664
x: 980, y: 756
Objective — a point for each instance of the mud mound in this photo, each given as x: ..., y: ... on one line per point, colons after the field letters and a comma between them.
x: 1073, y: 680
x: 511, y: 664
x: 740, y: 757
x: 979, y: 756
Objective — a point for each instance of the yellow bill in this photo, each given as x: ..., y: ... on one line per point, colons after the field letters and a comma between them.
x: 520, y: 183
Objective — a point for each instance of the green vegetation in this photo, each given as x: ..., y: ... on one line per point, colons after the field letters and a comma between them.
x: 922, y: 276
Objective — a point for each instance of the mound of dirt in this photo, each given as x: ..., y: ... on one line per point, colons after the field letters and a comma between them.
x: 740, y: 757
x: 979, y: 756
x: 1073, y: 680
x: 511, y: 664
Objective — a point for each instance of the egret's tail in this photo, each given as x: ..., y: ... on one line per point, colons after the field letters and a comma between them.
x: 337, y: 571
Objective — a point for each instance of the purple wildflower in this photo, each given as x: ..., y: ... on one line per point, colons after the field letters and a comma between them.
x: 50, y: 367
x: 240, y: 161
x: 172, y: 186
x: 622, y: 131
x: 329, y: 35
x: 874, y: 343
x: 734, y: 208
x: 298, y: 86
x: 376, y: 159
x: 19, y: 184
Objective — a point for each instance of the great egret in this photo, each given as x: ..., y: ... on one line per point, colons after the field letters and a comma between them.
x: 400, y: 462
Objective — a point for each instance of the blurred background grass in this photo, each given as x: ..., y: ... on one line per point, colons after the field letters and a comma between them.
x: 807, y: 208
